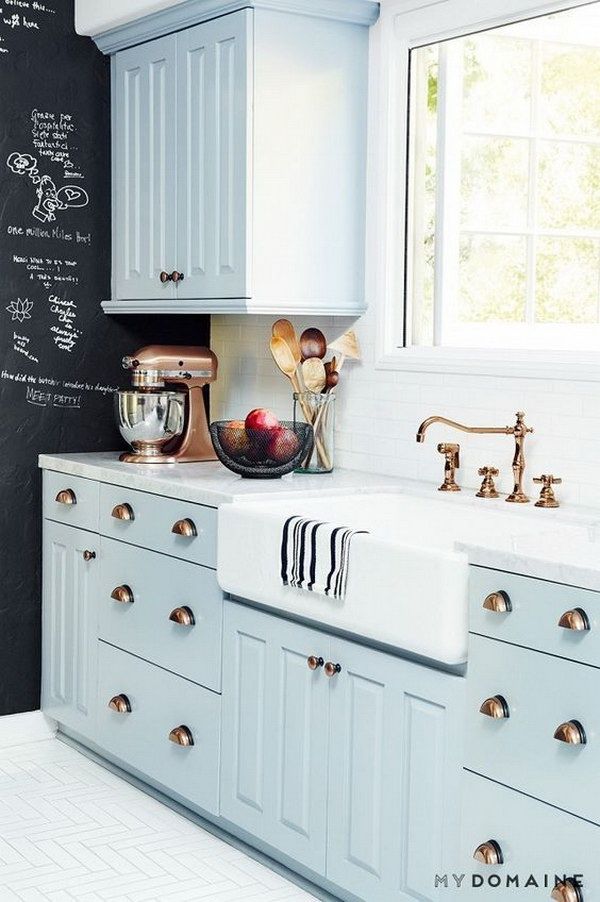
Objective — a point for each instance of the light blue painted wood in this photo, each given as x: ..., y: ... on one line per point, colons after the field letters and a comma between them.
x: 537, y: 606
x: 69, y: 669
x: 158, y: 585
x: 535, y: 839
x: 145, y: 183
x: 184, y: 15
x: 275, y: 716
x: 395, y: 758
x: 159, y: 702
x: 542, y: 692
x: 154, y: 517
x: 84, y: 513
x: 215, y: 101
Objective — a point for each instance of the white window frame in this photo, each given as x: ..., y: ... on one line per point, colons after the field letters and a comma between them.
x: 404, y: 25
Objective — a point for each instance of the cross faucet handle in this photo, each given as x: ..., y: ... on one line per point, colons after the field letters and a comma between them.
x: 488, y: 487
x: 547, y: 480
x: 488, y: 471
x: 547, y: 497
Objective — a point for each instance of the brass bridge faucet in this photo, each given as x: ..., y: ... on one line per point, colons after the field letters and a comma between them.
x: 519, y: 431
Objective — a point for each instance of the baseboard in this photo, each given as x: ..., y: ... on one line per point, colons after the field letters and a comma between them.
x: 32, y: 726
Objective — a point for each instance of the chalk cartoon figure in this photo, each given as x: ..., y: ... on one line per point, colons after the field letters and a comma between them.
x: 49, y: 197
x: 20, y: 310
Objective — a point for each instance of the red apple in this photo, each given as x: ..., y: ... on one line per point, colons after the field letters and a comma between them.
x: 283, y: 445
x: 261, y: 419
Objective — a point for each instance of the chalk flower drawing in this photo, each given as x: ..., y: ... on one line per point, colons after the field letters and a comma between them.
x: 20, y: 310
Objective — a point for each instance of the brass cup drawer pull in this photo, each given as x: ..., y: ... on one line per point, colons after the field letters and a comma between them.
x: 123, y: 512
x: 495, y: 707
x: 571, y: 733
x: 183, y: 616
x: 567, y: 891
x: 185, y: 527
x: 576, y: 619
x: 332, y: 669
x: 66, y: 496
x: 120, y: 704
x: 182, y: 736
x: 498, y: 602
x: 122, y: 594
x: 314, y: 662
x: 489, y: 853
x: 89, y: 555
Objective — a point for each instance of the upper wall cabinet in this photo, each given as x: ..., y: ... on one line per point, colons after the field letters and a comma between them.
x: 239, y: 157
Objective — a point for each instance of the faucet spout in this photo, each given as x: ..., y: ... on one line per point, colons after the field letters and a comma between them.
x: 479, y: 430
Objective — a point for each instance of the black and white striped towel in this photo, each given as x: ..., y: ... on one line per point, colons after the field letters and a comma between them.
x: 315, y: 556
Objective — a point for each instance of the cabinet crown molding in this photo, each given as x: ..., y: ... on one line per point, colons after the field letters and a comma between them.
x: 193, y: 12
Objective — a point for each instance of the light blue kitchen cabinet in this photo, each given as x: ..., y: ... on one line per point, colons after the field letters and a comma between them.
x: 213, y: 123
x: 69, y: 626
x: 145, y: 123
x: 275, y: 733
x: 394, y: 774
x: 355, y: 775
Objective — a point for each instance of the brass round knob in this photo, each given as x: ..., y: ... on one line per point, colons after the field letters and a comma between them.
x: 576, y: 619
x: 181, y: 736
x: 66, y: 496
x: 567, y: 891
x: 185, y: 528
x: 331, y: 669
x: 120, y: 704
x: 183, y: 616
x: 122, y: 594
x: 165, y: 277
x: 495, y: 707
x: 177, y: 276
x: 89, y: 555
x: 571, y: 732
x: 123, y: 512
x: 498, y: 602
x: 489, y: 853
x: 314, y: 663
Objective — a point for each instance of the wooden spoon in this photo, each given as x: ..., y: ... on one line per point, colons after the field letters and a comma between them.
x: 313, y: 344
x: 346, y: 346
x: 314, y: 374
x: 283, y: 328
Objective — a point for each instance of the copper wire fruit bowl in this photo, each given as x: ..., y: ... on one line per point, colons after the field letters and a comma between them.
x: 261, y: 453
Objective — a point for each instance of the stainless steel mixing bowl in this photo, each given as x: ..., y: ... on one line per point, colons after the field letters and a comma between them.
x: 149, y: 420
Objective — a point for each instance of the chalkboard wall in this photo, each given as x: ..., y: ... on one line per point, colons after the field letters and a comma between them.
x: 59, y: 354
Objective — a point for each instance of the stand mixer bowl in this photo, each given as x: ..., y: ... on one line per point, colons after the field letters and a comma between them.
x: 150, y: 420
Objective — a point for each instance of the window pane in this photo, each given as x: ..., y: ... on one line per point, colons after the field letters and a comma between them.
x: 495, y: 176
x: 569, y: 186
x: 492, y: 285
x: 567, y: 275
x: 569, y: 90
x: 496, y: 83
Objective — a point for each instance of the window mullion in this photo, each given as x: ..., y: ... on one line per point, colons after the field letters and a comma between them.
x: 532, y: 211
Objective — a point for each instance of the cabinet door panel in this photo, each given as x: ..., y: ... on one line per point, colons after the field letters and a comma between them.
x: 394, y: 772
x: 275, y: 711
x: 69, y: 627
x: 145, y: 181
x: 214, y: 90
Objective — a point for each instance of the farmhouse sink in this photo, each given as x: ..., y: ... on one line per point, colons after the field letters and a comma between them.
x: 407, y: 585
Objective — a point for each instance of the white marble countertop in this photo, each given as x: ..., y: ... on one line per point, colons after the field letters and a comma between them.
x: 557, y: 545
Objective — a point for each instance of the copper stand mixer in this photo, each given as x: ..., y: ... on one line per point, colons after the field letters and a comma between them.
x: 163, y: 426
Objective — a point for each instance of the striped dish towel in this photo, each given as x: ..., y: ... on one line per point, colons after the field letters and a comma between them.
x: 315, y: 556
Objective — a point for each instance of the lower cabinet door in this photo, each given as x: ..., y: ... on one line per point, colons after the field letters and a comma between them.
x: 70, y: 574
x: 394, y: 775
x: 275, y: 733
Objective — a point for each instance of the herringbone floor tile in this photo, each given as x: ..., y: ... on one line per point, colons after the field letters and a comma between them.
x: 70, y: 830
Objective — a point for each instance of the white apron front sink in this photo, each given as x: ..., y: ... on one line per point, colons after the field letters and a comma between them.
x: 407, y: 585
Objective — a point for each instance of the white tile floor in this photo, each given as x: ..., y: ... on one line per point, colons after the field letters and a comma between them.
x: 71, y: 830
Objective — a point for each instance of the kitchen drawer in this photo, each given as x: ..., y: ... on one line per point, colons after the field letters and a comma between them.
x: 541, y: 693
x: 160, y: 586
x: 537, y: 606
x: 160, y: 702
x: 153, y: 520
x: 535, y: 839
x: 82, y: 493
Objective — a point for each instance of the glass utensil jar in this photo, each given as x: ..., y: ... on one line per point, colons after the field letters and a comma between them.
x: 319, y: 411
